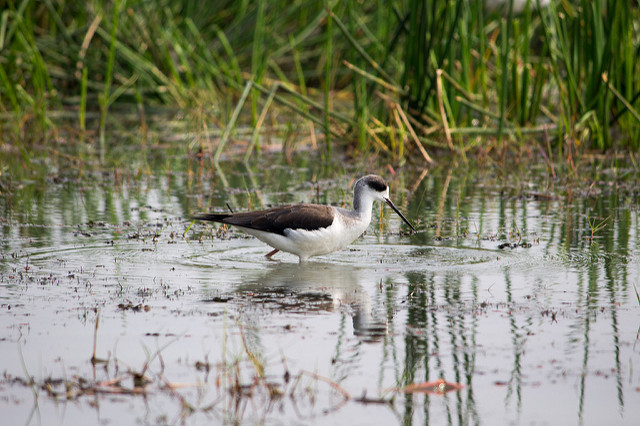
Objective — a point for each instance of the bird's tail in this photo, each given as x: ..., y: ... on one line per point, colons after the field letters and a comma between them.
x: 211, y: 217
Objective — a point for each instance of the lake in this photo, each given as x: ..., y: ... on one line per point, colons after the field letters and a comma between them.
x: 519, y: 289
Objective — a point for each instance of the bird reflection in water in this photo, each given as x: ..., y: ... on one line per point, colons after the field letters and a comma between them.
x: 318, y: 286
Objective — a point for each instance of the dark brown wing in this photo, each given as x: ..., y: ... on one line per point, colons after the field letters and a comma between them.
x: 276, y: 220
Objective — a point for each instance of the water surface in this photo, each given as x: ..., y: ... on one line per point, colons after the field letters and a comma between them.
x: 503, y: 290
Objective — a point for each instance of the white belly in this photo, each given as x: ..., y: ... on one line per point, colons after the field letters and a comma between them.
x: 306, y: 244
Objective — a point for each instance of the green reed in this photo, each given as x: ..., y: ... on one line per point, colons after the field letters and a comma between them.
x: 448, y: 75
x: 105, y: 99
x: 328, y: 76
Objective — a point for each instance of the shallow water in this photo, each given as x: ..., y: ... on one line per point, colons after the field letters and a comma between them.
x: 501, y: 290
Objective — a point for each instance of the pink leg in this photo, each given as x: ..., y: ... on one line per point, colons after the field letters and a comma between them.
x: 271, y: 253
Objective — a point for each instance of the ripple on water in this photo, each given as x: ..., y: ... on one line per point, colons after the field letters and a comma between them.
x: 249, y: 254
x: 238, y: 258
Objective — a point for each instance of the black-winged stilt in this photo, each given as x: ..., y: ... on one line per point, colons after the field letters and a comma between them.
x: 308, y: 230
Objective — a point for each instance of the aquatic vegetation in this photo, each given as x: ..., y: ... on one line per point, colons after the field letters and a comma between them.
x: 403, y: 79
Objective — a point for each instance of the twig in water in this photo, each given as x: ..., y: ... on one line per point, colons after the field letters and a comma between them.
x: 331, y: 383
x: 443, y: 115
x: 413, y: 134
x: 254, y: 359
x: 95, y: 360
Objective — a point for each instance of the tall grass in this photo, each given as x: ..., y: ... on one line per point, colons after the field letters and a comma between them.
x: 449, y: 75
x: 328, y: 76
x: 104, y: 100
x: 595, y: 45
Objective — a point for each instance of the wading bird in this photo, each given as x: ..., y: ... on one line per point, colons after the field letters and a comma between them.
x: 308, y: 230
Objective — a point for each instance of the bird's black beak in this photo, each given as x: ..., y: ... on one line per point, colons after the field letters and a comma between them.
x: 395, y: 209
